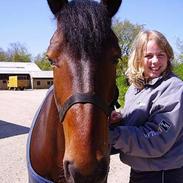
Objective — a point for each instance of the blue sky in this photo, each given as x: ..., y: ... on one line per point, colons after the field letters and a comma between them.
x: 32, y: 24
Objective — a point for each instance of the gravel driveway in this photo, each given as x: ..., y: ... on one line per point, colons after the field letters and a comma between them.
x: 17, y: 109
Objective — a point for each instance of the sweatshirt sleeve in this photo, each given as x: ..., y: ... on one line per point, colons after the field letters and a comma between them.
x: 158, y: 134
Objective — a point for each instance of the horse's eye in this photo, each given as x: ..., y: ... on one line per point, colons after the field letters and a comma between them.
x: 52, y: 62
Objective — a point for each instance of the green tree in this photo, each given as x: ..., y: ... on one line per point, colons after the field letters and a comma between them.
x: 126, y: 33
x: 18, y: 53
x: 181, y: 58
x: 43, y: 62
x: 122, y: 84
x: 179, y: 44
x: 178, y: 70
x: 3, y: 55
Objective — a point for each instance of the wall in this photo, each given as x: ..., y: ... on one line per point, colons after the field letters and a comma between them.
x: 42, y: 83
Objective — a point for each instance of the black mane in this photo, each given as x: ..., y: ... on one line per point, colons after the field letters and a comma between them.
x: 85, y: 25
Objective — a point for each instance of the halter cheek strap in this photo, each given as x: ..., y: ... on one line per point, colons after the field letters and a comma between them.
x: 83, y: 98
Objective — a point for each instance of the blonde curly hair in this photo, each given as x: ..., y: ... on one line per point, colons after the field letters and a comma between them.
x: 135, y: 63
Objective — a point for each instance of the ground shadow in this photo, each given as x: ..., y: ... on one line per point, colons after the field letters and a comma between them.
x: 8, y: 129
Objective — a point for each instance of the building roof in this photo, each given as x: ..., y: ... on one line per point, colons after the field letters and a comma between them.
x: 42, y: 74
x: 24, y: 68
x: 18, y: 67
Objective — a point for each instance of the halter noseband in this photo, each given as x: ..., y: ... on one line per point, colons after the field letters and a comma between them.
x: 82, y: 98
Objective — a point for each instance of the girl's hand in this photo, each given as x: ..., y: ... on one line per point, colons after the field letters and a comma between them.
x: 115, y: 117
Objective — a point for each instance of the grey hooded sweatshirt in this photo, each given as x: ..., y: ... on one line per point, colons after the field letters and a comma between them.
x: 151, y: 138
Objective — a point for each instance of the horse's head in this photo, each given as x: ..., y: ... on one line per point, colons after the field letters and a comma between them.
x: 84, y: 51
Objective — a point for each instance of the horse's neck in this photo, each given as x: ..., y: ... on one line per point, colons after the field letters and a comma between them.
x: 47, y: 141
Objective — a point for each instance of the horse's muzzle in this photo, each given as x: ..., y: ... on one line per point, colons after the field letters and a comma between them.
x: 98, y: 175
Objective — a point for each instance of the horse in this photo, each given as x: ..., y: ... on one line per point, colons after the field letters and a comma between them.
x: 69, y: 139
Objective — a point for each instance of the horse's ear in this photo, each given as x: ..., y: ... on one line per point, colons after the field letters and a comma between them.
x: 56, y: 5
x: 112, y: 6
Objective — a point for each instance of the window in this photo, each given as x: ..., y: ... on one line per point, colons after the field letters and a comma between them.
x: 49, y: 83
x: 38, y: 83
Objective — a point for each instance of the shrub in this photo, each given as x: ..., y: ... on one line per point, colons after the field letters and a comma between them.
x: 178, y: 70
x: 122, y: 85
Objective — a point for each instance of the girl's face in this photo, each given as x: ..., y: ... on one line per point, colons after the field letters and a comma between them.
x: 155, y: 60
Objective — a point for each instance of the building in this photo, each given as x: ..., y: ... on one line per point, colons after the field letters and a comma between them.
x: 37, y: 79
x: 41, y: 79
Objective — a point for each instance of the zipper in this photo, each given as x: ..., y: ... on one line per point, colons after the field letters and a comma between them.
x: 163, y: 177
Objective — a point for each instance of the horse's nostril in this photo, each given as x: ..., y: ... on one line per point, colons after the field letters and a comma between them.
x: 69, y: 171
x: 66, y: 168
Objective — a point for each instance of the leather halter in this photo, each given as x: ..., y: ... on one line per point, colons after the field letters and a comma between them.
x: 83, y: 98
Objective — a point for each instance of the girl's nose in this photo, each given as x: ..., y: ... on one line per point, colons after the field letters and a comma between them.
x: 154, y: 59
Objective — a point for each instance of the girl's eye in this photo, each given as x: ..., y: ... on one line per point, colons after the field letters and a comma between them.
x: 148, y: 56
x: 161, y: 55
